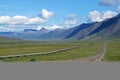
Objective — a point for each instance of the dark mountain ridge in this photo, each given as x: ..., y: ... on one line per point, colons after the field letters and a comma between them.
x: 105, y: 24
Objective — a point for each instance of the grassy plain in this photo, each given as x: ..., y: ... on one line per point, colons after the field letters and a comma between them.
x: 14, y: 48
x: 35, y: 47
x: 113, y: 51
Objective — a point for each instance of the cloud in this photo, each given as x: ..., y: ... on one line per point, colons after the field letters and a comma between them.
x: 39, y: 28
x: 18, y: 19
x: 36, y: 20
x: 109, y: 2
x: 21, y: 20
x: 109, y: 14
x: 96, y: 16
x: 71, y: 20
x: 6, y: 28
x: 72, y: 16
x: 53, y: 27
x: 4, y: 19
x: 118, y: 9
x: 46, y: 14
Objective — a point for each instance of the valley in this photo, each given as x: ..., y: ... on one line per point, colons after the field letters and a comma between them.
x: 81, y: 41
x: 85, y: 49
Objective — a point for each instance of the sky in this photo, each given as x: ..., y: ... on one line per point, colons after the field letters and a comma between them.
x: 52, y: 14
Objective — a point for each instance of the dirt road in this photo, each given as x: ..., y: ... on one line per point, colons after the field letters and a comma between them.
x: 96, y: 58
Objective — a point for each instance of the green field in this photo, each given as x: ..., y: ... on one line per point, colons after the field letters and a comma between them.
x: 14, y: 48
x: 9, y: 48
x: 113, y: 51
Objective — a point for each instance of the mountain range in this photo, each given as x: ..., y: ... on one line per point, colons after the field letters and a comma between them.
x: 107, y: 29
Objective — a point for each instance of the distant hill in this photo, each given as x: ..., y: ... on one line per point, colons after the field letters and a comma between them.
x: 27, y: 34
x: 2, y: 38
x: 54, y: 34
x: 31, y: 34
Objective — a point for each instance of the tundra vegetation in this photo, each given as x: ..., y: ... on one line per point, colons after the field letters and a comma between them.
x: 22, y: 47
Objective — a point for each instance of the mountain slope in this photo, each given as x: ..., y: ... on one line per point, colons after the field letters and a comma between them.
x: 112, y: 22
x: 109, y: 28
x: 79, y: 28
x: 55, y: 34
x: 31, y: 34
x: 83, y: 30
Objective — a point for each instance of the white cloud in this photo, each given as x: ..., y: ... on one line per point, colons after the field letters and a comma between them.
x: 71, y: 22
x: 109, y: 14
x: 6, y: 29
x: 39, y: 28
x: 46, y: 14
x: 118, y: 9
x: 36, y: 20
x: 18, y: 19
x: 3, y: 29
x: 109, y: 2
x: 71, y: 16
x: 21, y: 20
x: 4, y: 19
x: 53, y: 27
x: 96, y: 16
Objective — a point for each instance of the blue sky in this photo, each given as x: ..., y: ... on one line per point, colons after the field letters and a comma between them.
x: 62, y: 7
x: 56, y: 13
